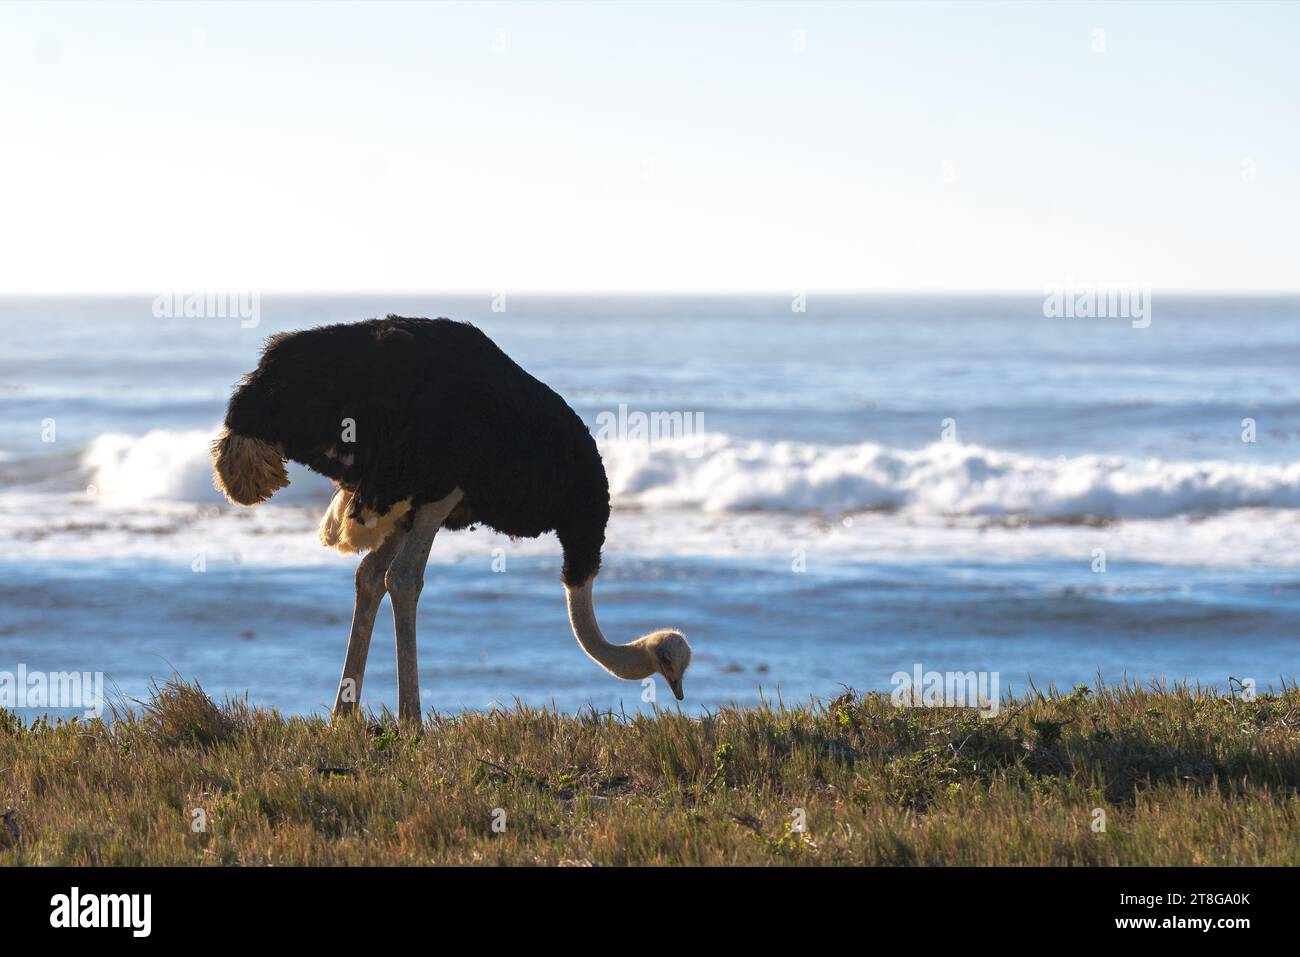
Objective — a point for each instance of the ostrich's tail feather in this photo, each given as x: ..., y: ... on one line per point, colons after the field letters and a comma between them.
x: 247, y: 471
x: 339, y: 530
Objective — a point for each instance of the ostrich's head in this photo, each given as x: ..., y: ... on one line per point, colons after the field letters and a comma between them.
x: 660, y: 652
x: 671, y: 656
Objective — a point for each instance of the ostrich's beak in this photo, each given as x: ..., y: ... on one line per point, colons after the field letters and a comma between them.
x: 676, y: 686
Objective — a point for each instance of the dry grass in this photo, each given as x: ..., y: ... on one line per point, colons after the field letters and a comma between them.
x: 1183, y: 777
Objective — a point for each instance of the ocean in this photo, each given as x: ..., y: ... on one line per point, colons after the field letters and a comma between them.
x: 818, y: 499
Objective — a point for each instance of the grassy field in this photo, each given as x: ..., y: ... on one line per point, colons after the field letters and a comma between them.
x: 1181, y: 778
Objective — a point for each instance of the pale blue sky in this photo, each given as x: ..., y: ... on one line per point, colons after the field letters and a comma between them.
x: 676, y: 146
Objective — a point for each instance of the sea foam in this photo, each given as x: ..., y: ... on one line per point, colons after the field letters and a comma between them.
x: 176, y: 465
x: 724, y: 474
x: 719, y: 473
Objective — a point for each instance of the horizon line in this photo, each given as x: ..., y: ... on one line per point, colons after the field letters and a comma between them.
x: 638, y: 293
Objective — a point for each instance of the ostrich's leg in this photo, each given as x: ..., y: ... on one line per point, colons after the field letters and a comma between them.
x: 404, y: 580
x: 370, y: 593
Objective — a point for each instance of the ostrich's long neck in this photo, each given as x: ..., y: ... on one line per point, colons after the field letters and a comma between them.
x: 622, y: 661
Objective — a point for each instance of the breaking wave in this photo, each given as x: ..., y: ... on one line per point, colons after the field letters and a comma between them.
x: 721, y: 473
x: 176, y: 465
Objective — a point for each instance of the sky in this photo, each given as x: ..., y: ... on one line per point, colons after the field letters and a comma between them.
x: 670, y: 147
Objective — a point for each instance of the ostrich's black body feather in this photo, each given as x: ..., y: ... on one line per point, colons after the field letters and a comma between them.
x: 436, y: 406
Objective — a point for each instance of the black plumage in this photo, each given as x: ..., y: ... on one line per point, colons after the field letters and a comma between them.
x: 434, y: 405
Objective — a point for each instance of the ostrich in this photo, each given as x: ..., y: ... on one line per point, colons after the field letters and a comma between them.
x: 426, y: 424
